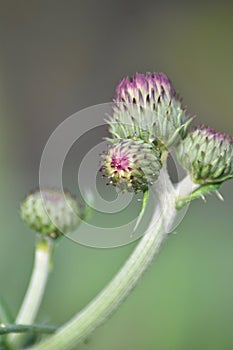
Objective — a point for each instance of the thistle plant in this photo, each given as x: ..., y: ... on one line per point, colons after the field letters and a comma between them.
x: 147, y: 122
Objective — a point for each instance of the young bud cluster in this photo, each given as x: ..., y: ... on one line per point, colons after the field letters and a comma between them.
x: 207, y: 155
x: 146, y: 107
x: 131, y: 165
x: 148, y: 114
x: 50, y: 212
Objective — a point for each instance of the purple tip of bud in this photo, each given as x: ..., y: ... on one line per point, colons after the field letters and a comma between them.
x: 159, y: 78
x: 52, y: 196
x: 210, y: 132
x: 120, y: 162
x: 118, y: 159
x: 149, y: 81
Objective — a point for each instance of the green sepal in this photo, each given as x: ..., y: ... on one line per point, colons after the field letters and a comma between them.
x: 200, y: 192
x: 143, y: 207
x: 181, y: 130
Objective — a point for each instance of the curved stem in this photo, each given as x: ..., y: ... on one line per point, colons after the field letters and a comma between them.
x: 78, y: 328
x: 35, y: 289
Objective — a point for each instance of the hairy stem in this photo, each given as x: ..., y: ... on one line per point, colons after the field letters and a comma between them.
x: 35, y: 291
x: 81, y: 325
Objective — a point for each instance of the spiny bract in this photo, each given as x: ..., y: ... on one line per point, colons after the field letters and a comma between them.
x: 50, y: 212
x: 131, y: 165
x: 146, y: 107
x: 207, y: 155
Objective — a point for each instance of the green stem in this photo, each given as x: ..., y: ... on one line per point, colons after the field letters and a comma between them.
x: 19, y: 328
x: 81, y: 325
x: 35, y: 289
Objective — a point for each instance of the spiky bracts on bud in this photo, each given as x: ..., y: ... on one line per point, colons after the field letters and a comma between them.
x: 207, y: 155
x: 131, y: 165
x: 146, y: 107
x: 50, y: 212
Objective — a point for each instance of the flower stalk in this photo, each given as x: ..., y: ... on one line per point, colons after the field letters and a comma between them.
x: 36, y: 287
x: 81, y: 325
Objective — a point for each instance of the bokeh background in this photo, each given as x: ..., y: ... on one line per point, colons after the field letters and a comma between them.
x: 57, y: 57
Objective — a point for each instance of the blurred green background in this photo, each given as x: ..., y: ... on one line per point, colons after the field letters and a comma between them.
x: 57, y: 57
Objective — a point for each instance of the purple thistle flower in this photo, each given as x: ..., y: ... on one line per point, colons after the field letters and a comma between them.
x: 131, y: 165
x: 142, y: 88
x: 146, y: 107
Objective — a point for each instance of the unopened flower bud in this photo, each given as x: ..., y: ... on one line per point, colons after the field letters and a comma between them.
x: 131, y: 165
x: 50, y: 212
x: 207, y: 155
x: 146, y: 107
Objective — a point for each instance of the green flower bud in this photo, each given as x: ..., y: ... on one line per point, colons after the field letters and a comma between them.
x: 131, y: 165
x: 207, y: 156
x: 50, y: 212
x: 146, y: 107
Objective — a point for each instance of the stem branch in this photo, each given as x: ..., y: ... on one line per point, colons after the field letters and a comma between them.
x: 35, y: 289
x: 81, y: 325
x: 19, y: 328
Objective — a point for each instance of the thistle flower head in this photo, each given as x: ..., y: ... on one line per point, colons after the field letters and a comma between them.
x: 50, y: 212
x: 142, y: 89
x: 131, y: 165
x: 207, y: 155
x: 146, y: 107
